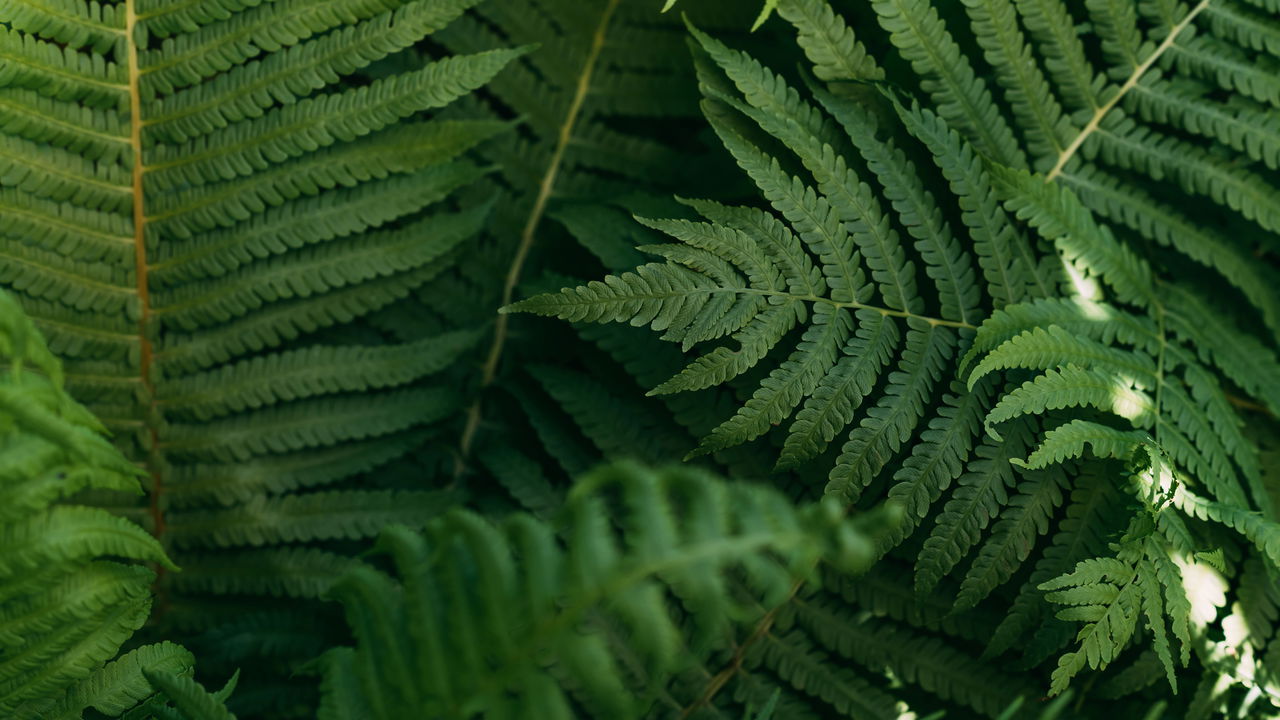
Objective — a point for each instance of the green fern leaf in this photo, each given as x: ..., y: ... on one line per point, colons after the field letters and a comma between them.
x: 680, y: 533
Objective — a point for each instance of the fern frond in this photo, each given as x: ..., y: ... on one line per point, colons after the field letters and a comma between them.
x: 925, y: 661
x: 964, y: 99
x: 72, y: 590
x: 121, y: 684
x: 189, y: 697
x: 981, y: 493
x: 680, y: 532
x: 200, y: 199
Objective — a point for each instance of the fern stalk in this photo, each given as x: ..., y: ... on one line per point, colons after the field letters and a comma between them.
x: 717, y: 682
x: 546, y: 187
x: 1129, y: 84
x: 156, y: 507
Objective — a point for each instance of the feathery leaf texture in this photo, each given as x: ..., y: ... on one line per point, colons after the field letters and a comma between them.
x: 200, y: 201
x: 72, y: 586
x: 531, y: 593
x: 1011, y: 267
x: 857, y: 287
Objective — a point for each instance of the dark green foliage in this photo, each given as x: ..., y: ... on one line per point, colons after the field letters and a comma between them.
x: 1007, y: 266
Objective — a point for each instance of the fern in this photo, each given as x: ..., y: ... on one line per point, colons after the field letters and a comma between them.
x: 72, y: 584
x: 202, y: 195
x: 680, y: 534
x: 805, y: 291
x: 1007, y: 264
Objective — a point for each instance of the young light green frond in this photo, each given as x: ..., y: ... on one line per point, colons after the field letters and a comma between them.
x: 1165, y: 574
x: 189, y: 696
x: 73, y: 534
x: 1072, y: 386
x: 120, y: 684
x: 1071, y: 439
x: 94, y: 587
x: 1153, y: 611
x: 66, y: 609
x: 69, y: 654
x: 1110, y: 594
x: 1047, y: 348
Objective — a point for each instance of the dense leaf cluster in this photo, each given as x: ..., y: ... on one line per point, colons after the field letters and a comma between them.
x: 974, y: 303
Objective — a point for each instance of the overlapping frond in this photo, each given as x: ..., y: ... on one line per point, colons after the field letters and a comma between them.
x: 833, y: 269
x: 858, y: 287
x: 549, y: 603
x: 73, y: 588
x: 199, y: 200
